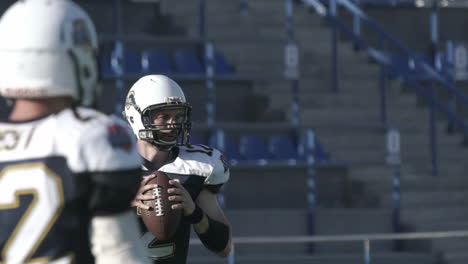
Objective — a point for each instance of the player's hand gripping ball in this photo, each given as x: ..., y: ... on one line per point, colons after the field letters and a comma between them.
x: 160, y: 219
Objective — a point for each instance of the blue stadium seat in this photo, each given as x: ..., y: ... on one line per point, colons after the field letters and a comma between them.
x: 231, y: 150
x: 320, y: 155
x: 221, y: 64
x: 155, y: 61
x: 187, y: 62
x: 132, y: 63
x: 252, y: 148
x: 105, y: 65
x: 281, y: 147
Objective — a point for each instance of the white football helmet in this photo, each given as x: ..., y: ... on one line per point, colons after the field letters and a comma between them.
x: 48, y: 48
x: 156, y: 92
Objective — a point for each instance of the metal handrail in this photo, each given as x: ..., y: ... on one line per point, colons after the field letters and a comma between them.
x: 415, y: 63
x: 343, y: 238
x: 365, y: 238
x: 382, y: 58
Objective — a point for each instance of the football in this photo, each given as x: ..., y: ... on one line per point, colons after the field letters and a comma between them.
x: 161, y: 220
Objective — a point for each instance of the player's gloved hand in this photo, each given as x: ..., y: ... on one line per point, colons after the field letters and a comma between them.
x: 181, y: 195
x: 140, y: 196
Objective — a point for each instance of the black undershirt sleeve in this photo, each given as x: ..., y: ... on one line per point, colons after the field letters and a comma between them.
x: 109, y: 192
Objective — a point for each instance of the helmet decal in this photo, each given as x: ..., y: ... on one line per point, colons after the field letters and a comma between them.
x: 173, y: 99
x: 81, y: 36
x: 130, y: 101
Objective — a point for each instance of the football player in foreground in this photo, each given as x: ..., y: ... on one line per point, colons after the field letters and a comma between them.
x: 66, y: 171
x: 160, y: 117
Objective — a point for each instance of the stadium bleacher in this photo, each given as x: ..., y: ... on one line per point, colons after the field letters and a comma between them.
x: 179, y: 62
x: 270, y: 184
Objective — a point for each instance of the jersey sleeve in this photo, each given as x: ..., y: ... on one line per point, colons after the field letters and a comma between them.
x: 112, y: 166
x: 221, y: 173
x: 109, y: 146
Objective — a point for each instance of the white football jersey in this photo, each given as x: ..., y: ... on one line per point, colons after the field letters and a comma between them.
x: 45, y: 183
x: 197, y: 167
x: 200, y: 160
x: 95, y: 143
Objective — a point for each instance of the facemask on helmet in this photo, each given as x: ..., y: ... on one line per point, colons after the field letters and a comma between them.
x: 48, y: 48
x: 149, y: 104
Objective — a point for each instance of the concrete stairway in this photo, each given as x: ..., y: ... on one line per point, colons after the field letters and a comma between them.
x: 346, y: 123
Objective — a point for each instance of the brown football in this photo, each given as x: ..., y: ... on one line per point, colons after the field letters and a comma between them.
x: 161, y: 220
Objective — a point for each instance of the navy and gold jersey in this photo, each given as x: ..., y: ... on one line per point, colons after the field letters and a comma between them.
x: 197, y: 167
x: 46, y: 168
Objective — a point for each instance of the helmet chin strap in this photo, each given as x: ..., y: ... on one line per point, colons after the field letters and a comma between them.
x: 153, y: 139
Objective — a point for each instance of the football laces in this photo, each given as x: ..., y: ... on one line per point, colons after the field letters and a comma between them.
x: 158, y: 205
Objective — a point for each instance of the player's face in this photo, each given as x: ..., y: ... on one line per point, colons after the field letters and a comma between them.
x: 167, y: 117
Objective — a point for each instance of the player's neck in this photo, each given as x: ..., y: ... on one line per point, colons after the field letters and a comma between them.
x: 28, y: 109
x: 151, y: 153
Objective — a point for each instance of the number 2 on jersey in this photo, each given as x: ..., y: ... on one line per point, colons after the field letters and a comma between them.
x: 45, y: 186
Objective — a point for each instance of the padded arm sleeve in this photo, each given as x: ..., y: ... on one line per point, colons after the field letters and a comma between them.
x: 216, y: 237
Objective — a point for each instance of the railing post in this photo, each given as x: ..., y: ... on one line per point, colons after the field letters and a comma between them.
x: 396, y: 218
x: 357, y: 25
x: 367, y: 256
x: 210, y: 83
x: 117, y: 18
x: 433, y: 132
x: 432, y: 118
x: 311, y: 185
x: 434, y: 23
x: 452, y: 104
x: 117, y: 58
x: 201, y: 21
x: 244, y: 7
x: 117, y: 64
x: 394, y: 159
x: 383, y: 92
x: 221, y: 145
x: 291, y: 61
x: 334, y: 14
x: 232, y: 257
